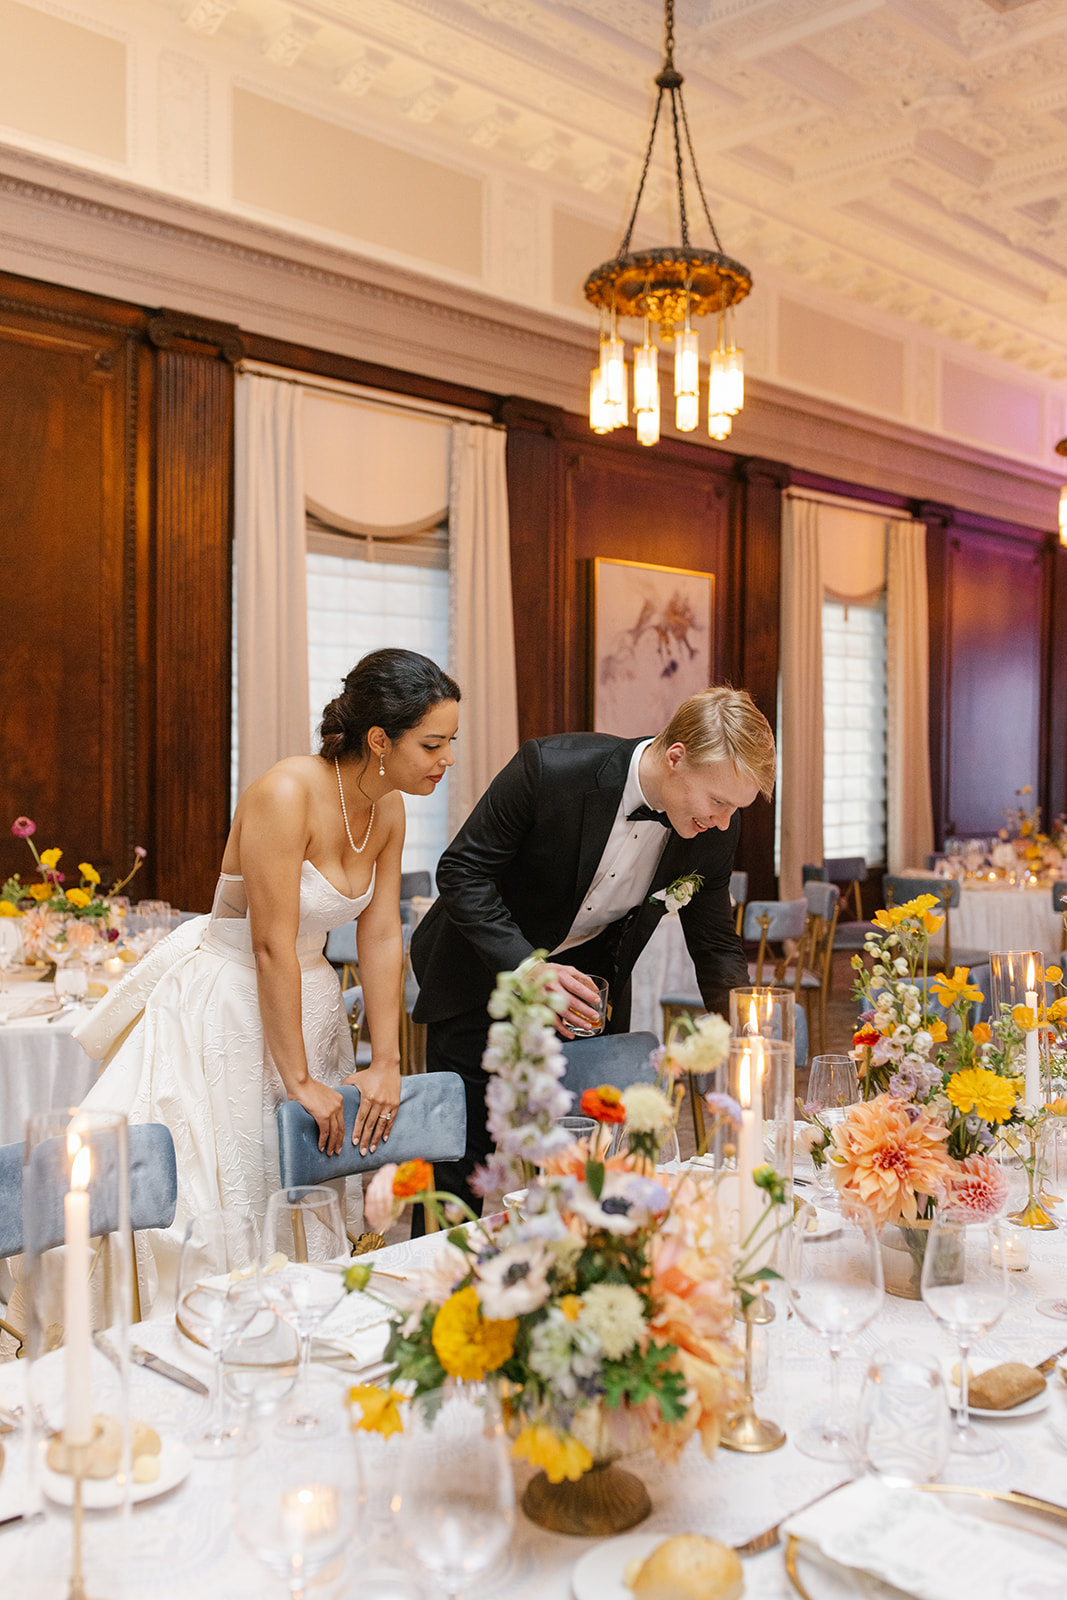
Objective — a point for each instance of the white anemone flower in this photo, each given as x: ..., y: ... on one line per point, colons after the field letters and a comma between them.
x: 513, y: 1282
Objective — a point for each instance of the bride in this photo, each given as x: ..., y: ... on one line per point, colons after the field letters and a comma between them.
x: 236, y: 1012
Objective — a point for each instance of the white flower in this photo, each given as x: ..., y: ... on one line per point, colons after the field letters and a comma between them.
x: 679, y: 893
x: 613, y: 1312
x: 561, y: 1352
x: 438, y: 1279
x: 901, y: 964
x: 647, y: 1108
x: 806, y: 1136
x: 705, y: 1048
x: 514, y: 1281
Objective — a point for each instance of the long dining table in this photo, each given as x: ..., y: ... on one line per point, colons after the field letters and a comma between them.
x: 184, y: 1543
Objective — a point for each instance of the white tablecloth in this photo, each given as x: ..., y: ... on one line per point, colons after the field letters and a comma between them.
x: 183, y: 1543
x: 41, y: 1066
x: 995, y: 916
x: 663, y: 967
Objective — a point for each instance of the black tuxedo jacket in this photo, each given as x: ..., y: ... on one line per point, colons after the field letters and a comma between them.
x: 512, y: 881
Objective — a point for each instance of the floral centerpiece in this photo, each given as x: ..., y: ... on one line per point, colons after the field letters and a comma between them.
x: 57, y: 921
x: 936, y: 1105
x: 604, y: 1305
x: 1023, y: 843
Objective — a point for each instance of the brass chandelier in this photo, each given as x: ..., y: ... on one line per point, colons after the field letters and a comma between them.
x: 670, y: 286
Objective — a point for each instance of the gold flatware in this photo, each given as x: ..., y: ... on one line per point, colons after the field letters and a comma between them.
x: 1050, y: 1361
x: 770, y: 1536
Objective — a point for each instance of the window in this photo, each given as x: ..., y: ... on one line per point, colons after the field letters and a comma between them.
x: 355, y: 606
x: 854, y: 729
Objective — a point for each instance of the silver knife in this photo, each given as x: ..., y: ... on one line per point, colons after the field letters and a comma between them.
x: 145, y: 1358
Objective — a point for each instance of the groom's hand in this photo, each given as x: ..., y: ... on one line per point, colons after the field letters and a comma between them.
x: 583, y: 1000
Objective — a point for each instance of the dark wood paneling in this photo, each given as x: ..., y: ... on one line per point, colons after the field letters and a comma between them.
x: 191, y: 621
x: 1056, y: 775
x: 68, y: 393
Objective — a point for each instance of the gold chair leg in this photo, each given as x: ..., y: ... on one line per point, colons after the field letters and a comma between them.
x: 18, y: 1337
x: 300, y: 1243
x: 430, y: 1222
x: 700, y: 1132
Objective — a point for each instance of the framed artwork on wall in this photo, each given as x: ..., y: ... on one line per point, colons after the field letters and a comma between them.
x: 651, y: 643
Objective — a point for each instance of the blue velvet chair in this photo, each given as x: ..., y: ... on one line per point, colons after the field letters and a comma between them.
x: 431, y: 1125
x: 617, y: 1058
x: 153, y: 1191
x: 847, y: 872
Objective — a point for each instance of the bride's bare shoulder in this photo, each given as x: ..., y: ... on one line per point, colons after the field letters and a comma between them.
x: 296, y: 781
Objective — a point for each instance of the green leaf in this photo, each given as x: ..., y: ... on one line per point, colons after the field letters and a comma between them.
x: 594, y: 1177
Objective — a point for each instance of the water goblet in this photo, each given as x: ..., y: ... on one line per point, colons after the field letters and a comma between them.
x: 455, y: 1498
x: 305, y: 1251
x: 214, y: 1309
x: 833, y: 1086
x: 834, y: 1274
x: 1052, y: 1162
x: 295, y: 1503
x: 965, y: 1286
x: 904, y: 1423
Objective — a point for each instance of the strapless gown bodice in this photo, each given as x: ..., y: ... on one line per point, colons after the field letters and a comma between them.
x: 322, y: 908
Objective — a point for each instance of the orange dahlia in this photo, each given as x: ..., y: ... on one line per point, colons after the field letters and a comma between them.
x: 605, y: 1104
x: 411, y: 1178
x: 886, y: 1152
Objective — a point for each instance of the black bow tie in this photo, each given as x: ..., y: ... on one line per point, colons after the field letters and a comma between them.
x: 646, y: 814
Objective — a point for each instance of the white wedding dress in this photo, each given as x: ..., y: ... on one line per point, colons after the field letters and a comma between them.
x: 184, y: 1046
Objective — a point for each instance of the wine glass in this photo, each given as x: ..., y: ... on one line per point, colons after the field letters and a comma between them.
x: 302, y: 1235
x: 295, y: 1503
x: 833, y: 1085
x: 1052, y: 1165
x: 904, y: 1424
x: 965, y: 1285
x: 835, y: 1287
x: 455, y: 1497
x: 214, y: 1309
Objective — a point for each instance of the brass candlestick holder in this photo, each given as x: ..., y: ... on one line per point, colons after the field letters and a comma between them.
x: 78, y: 1460
x: 745, y: 1431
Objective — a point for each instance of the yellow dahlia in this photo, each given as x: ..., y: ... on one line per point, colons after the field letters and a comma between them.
x: 978, y: 1089
x: 884, y: 1159
x: 561, y: 1454
x: 469, y: 1345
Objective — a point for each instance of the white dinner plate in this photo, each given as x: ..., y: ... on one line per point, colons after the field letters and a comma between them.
x: 599, y: 1573
x: 1029, y: 1408
x: 101, y: 1494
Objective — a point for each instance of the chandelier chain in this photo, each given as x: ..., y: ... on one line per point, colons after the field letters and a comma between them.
x: 696, y: 175
x: 679, y: 171
x: 625, y: 245
x: 668, y: 47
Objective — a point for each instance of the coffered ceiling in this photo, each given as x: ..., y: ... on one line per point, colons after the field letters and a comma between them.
x: 907, y: 154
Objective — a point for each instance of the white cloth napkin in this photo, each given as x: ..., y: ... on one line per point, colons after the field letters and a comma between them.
x: 928, y: 1549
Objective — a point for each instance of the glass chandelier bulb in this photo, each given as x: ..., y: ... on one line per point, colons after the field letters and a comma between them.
x: 1063, y: 515
x: 686, y: 412
x: 687, y: 365
x: 600, y: 415
x: 646, y: 378
x: 648, y: 426
x: 719, y: 424
x: 718, y: 382
x: 735, y: 380
x: 613, y: 365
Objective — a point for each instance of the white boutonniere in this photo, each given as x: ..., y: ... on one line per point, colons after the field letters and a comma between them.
x: 679, y: 893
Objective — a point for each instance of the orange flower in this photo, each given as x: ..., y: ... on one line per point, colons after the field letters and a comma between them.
x: 884, y: 1159
x: 937, y: 1030
x: 981, y: 1033
x: 604, y: 1104
x: 867, y: 1036
x: 1024, y: 1018
x: 411, y: 1178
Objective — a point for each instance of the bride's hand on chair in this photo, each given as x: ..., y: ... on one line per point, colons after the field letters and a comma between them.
x: 379, y: 1098
x: 328, y: 1109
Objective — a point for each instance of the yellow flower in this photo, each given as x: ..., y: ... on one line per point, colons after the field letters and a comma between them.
x: 50, y: 858
x: 931, y: 923
x: 561, y: 1454
x: 1024, y: 1018
x: 956, y: 989
x: 469, y: 1345
x: 8, y: 910
x: 981, y: 1033
x: 937, y: 1030
x: 1054, y: 974
x: 88, y: 872
x: 977, y: 1089
x: 1057, y: 1011
x: 41, y: 891
x: 78, y: 897
x: 378, y: 1407
x: 570, y: 1305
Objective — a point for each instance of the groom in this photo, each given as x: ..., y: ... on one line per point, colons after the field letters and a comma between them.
x: 563, y: 853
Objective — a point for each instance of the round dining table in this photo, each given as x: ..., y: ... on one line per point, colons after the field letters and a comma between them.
x: 995, y: 915
x: 42, y: 1066
x: 183, y: 1542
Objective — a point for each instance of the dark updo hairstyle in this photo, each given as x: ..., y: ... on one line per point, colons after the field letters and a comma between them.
x: 390, y: 689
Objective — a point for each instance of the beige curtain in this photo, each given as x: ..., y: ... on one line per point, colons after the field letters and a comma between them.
x: 482, y: 639
x: 270, y: 576
x: 800, y: 732
x: 911, y: 827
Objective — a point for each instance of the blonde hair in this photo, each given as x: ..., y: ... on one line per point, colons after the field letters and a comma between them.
x: 724, y: 724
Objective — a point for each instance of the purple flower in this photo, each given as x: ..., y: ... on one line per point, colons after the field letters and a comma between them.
x: 112, y: 935
x: 725, y: 1106
x: 22, y: 827
x: 913, y: 1113
x: 902, y: 1085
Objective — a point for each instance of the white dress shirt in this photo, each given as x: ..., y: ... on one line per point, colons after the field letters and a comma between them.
x: 627, y: 866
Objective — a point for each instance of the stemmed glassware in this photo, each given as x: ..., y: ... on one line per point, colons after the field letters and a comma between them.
x: 455, y: 1499
x: 302, y: 1234
x: 904, y: 1422
x: 965, y: 1285
x: 834, y: 1271
x: 833, y: 1086
x: 295, y: 1502
x: 215, y: 1305
x: 1052, y: 1167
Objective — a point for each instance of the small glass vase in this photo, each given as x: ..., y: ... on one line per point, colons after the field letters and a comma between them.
x: 903, y: 1247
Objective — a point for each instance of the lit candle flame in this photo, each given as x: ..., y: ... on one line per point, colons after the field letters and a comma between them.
x: 753, y: 1016
x: 1030, y: 974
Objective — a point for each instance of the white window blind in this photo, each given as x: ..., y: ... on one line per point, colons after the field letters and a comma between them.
x: 354, y: 606
x: 854, y: 730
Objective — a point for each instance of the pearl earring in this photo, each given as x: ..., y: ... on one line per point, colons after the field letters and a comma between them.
x: 381, y: 766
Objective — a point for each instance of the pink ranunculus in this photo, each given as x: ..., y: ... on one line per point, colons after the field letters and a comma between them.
x: 22, y: 827
x: 979, y: 1188
x: 139, y: 851
x: 380, y: 1208
x: 80, y: 935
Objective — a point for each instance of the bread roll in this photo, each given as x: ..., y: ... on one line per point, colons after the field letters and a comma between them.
x: 145, y: 1469
x: 688, y: 1567
x: 1005, y: 1386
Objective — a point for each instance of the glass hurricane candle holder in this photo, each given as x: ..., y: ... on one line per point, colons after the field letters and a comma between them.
x: 1017, y: 978
x: 758, y: 1077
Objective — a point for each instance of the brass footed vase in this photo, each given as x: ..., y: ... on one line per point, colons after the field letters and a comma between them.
x: 605, y: 1500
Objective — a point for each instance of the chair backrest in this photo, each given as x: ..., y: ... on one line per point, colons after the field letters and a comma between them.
x: 431, y: 1125
x: 1059, y: 897
x: 810, y: 872
x: 846, y: 869
x: 153, y: 1186
x: 822, y: 898
x: 982, y: 979
x: 412, y: 883
x: 899, y: 890
x: 786, y: 919
x: 617, y: 1058
x: 341, y: 945
x: 739, y: 887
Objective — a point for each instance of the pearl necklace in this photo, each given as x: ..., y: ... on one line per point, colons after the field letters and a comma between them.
x: 358, y: 848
